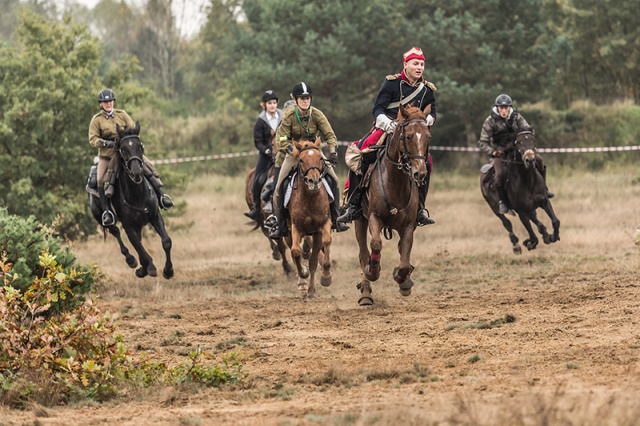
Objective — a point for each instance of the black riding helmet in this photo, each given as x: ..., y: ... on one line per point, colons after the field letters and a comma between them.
x: 106, y: 95
x: 301, y: 89
x: 269, y: 95
x: 503, y: 100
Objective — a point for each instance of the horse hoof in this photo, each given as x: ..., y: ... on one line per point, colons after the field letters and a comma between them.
x: 325, y: 281
x: 276, y: 256
x: 405, y: 292
x: 153, y: 272
x: 303, y: 289
x: 405, y: 287
x: 547, y: 240
x: 304, y: 272
x: 141, y: 273
x: 517, y: 249
x: 167, y: 273
x: 132, y: 262
x: 365, y: 301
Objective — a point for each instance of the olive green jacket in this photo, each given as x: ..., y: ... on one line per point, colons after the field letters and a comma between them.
x: 103, y: 127
x: 307, y: 128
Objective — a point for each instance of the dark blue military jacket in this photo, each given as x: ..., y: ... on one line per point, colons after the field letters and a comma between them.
x: 395, y: 89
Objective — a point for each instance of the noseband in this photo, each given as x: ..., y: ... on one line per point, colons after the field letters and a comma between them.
x: 405, y: 158
x: 127, y: 162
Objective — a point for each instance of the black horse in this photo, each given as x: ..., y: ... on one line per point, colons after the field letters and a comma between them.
x: 526, y: 192
x: 135, y: 204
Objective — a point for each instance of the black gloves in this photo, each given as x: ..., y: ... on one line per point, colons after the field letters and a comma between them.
x: 108, y: 144
x: 333, y: 158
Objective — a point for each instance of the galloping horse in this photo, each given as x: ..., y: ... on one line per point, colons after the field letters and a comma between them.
x: 135, y: 204
x: 393, y: 199
x: 526, y: 191
x: 310, y: 215
x: 278, y: 247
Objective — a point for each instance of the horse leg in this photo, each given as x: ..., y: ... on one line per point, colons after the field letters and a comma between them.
x: 372, y: 270
x: 401, y: 274
x: 313, y: 264
x: 364, y: 286
x: 158, y: 225
x: 146, y: 263
x: 325, y: 280
x: 542, y: 230
x: 296, y: 255
x: 275, y: 253
x: 132, y: 262
x: 548, y: 208
x: 512, y: 236
x: 532, y: 242
x: 282, y: 249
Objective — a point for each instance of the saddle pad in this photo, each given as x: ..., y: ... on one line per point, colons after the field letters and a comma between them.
x: 486, y: 168
x: 287, y: 194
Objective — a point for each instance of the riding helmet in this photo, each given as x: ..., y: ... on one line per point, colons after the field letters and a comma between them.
x: 503, y: 100
x: 269, y: 95
x: 106, y: 95
x: 301, y: 89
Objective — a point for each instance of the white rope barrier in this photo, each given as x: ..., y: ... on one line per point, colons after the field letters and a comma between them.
x: 432, y: 148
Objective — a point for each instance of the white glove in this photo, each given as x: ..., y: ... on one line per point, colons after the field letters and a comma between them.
x: 383, y: 122
x: 430, y: 120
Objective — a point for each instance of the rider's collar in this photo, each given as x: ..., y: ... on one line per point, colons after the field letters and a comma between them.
x: 404, y: 78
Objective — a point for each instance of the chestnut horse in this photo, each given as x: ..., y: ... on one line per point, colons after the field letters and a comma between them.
x: 309, y: 215
x: 278, y: 247
x: 526, y: 191
x: 391, y: 200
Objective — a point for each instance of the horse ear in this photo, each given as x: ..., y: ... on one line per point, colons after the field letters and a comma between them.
x: 402, y: 112
x: 119, y: 131
x: 318, y: 142
x: 427, y: 110
x: 136, y: 129
x: 297, y: 145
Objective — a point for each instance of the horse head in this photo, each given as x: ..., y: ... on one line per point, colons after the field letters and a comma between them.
x: 311, y: 164
x: 526, y: 147
x: 131, y: 151
x: 411, y: 142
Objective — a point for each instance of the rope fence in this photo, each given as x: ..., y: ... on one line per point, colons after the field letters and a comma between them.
x: 431, y: 148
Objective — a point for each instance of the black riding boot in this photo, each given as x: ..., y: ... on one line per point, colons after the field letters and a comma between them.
x: 254, y: 213
x: 543, y: 172
x: 334, y: 207
x: 164, y: 201
x: 423, y: 213
x: 502, y: 204
x: 354, y: 209
x: 108, y: 218
x: 279, y: 230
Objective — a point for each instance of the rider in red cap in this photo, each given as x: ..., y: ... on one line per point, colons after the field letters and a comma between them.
x: 407, y: 88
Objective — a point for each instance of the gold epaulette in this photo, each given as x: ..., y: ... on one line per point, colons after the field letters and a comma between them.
x: 393, y: 76
x: 430, y: 85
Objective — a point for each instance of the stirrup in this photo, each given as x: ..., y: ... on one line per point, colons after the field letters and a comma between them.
x: 427, y: 221
x: 271, y: 221
x: 108, y: 219
x: 165, y: 201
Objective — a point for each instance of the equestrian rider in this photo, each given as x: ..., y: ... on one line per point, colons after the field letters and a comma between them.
x: 407, y: 88
x: 497, y: 136
x: 303, y: 122
x: 263, y: 133
x: 103, y: 135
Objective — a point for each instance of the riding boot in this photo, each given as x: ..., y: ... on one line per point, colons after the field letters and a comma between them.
x: 254, y: 213
x: 279, y: 228
x: 353, y: 210
x: 543, y: 172
x: 423, y: 213
x: 109, y: 180
x: 108, y: 218
x: 502, y: 204
x: 334, y: 207
x: 164, y: 200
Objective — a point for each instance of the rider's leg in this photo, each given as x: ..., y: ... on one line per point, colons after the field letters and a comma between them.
x: 499, y: 182
x: 279, y: 230
x: 108, y: 217
x: 153, y: 177
x: 423, y: 190
x: 354, y: 209
x: 335, y: 204
x: 542, y: 168
x: 261, y: 166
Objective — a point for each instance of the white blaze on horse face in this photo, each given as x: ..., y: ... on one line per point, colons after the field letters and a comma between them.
x: 311, y: 153
x: 130, y: 143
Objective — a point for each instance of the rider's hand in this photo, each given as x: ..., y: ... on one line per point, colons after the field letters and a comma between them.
x: 497, y: 153
x: 107, y: 143
x: 267, y: 151
x: 333, y: 158
x: 430, y: 120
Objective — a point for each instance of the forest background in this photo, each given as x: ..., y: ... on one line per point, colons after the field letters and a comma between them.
x: 195, y: 89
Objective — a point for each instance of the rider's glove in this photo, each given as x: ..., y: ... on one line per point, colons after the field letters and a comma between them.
x: 430, y: 120
x: 333, y: 158
x: 267, y: 151
x: 107, y: 143
x: 383, y: 122
x: 497, y: 153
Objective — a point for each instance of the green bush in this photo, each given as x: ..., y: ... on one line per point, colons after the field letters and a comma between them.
x: 22, y: 243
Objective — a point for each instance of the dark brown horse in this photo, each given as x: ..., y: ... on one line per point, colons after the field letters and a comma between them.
x: 278, y: 247
x: 526, y: 192
x: 391, y: 200
x: 310, y: 215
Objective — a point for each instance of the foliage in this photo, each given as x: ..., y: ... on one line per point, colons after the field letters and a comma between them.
x: 57, y: 358
x: 22, y: 244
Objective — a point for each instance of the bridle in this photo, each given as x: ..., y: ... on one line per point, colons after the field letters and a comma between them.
x: 404, y: 162
x: 127, y: 161
x: 323, y: 171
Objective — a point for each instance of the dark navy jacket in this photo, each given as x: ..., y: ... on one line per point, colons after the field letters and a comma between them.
x: 395, y: 89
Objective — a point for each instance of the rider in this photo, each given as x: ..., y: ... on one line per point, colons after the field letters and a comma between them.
x: 303, y: 122
x: 498, y: 133
x: 103, y: 135
x: 407, y: 88
x: 263, y: 133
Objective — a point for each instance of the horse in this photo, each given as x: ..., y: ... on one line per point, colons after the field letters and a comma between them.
x: 526, y: 192
x: 135, y: 204
x: 309, y: 215
x: 391, y: 200
x: 278, y: 247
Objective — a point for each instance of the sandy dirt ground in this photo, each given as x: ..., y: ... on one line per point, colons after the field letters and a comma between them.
x: 486, y: 338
